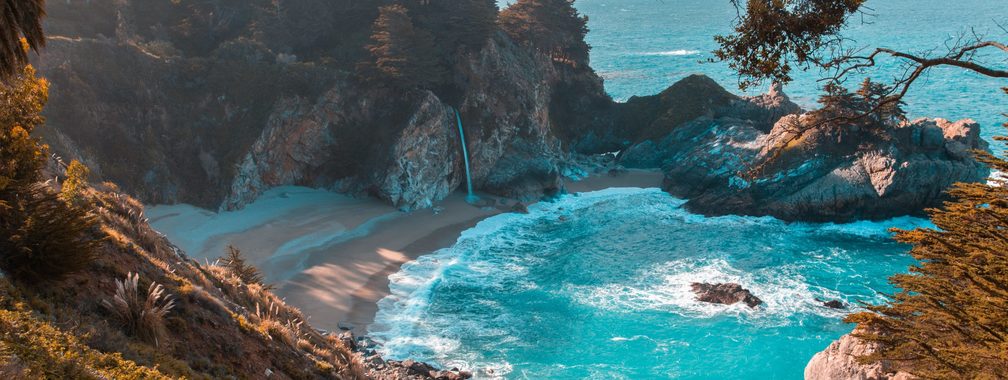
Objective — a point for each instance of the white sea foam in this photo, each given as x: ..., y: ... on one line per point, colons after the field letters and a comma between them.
x: 406, y: 327
x: 667, y: 288
x: 672, y: 53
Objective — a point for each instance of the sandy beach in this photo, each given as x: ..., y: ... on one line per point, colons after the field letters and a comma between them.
x: 331, y: 254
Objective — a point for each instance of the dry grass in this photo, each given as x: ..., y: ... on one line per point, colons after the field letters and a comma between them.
x: 141, y: 314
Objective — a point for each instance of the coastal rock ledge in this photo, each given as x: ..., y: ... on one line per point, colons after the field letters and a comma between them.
x: 839, y: 362
x: 725, y: 162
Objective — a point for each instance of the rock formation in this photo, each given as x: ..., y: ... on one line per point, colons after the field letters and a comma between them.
x: 727, y: 294
x: 839, y: 362
x: 174, y: 117
x: 216, y: 121
x: 826, y: 175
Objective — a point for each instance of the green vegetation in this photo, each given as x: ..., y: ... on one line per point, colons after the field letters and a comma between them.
x: 41, y: 237
x: 552, y: 27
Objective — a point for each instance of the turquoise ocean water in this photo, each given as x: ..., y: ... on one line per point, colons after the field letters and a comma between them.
x: 596, y: 285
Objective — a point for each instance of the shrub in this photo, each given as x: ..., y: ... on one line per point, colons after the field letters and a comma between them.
x: 44, y: 238
x: 41, y: 237
x: 141, y: 315
x: 75, y: 183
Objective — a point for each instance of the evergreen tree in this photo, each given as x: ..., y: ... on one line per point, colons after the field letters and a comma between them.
x: 235, y: 263
x: 404, y: 55
x: 553, y: 27
x: 456, y: 24
x: 950, y: 319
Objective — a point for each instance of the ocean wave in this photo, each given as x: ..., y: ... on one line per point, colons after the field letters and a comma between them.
x: 457, y: 304
x: 672, y: 53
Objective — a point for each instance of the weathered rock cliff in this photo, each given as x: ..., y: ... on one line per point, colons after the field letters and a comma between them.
x: 839, y: 362
x: 215, y: 122
x: 826, y: 175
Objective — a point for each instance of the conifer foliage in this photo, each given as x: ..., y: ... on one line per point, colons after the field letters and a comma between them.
x: 403, y: 55
x: 950, y: 319
x: 235, y: 263
x: 553, y: 27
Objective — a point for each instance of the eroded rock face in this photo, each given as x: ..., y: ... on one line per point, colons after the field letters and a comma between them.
x: 839, y: 362
x: 825, y: 176
x: 216, y: 121
x: 727, y: 294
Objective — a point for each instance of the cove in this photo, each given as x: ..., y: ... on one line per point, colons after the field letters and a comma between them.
x: 596, y: 285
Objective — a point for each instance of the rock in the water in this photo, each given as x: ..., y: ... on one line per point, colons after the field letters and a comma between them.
x: 839, y: 362
x: 727, y: 294
x: 833, y: 304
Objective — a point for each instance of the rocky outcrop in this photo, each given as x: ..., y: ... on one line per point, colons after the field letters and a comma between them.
x: 727, y: 294
x: 177, y: 105
x: 726, y: 165
x: 839, y: 362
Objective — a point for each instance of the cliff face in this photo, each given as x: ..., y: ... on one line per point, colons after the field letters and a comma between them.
x: 216, y: 123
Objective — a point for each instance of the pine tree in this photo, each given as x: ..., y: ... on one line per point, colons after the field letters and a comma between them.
x: 235, y: 263
x: 552, y: 27
x: 404, y: 55
x: 950, y: 318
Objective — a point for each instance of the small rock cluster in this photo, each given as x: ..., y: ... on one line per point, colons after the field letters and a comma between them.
x: 409, y: 369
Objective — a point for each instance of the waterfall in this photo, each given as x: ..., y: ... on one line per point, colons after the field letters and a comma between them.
x: 470, y: 197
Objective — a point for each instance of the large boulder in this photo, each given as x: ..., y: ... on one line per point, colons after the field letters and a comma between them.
x: 839, y: 361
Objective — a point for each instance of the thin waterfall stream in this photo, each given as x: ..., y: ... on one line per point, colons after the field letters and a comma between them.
x: 470, y: 197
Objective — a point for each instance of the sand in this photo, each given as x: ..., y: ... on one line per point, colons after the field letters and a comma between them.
x: 330, y: 255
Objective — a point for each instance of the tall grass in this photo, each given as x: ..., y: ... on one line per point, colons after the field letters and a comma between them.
x: 140, y: 314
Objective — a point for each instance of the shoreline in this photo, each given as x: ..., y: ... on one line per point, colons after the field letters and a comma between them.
x: 331, y: 255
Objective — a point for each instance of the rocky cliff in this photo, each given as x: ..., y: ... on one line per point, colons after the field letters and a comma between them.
x: 839, y: 362
x: 724, y: 162
x: 215, y: 123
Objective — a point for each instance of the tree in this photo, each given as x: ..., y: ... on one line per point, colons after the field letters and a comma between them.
x: 21, y: 23
x: 235, y: 263
x: 41, y: 236
x: 402, y: 54
x: 553, y: 27
x: 456, y: 24
x: 950, y: 319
